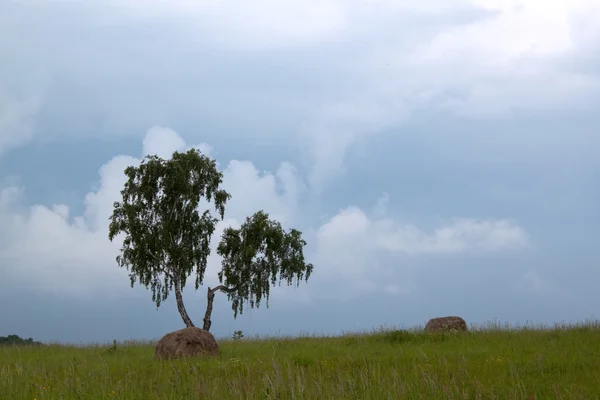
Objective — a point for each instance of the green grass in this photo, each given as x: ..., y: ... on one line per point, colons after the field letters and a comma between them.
x: 562, y: 362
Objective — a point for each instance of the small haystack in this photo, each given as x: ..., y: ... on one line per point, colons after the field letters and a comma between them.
x: 186, y: 342
x: 446, y: 324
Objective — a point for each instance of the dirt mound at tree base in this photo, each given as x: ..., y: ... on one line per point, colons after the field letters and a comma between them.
x: 446, y: 324
x: 186, y: 342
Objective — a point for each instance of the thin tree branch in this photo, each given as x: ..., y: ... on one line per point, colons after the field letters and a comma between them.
x: 167, y: 273
x: 162, y: 269
x: 223, y: 288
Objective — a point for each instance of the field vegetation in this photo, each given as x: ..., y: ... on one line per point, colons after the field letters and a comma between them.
x: 491, y: 362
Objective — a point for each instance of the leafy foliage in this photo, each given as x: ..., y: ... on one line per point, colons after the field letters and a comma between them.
x: 237, y: 335
x: 16, y: 340
x: 166, y: 238
x: 256, y: 256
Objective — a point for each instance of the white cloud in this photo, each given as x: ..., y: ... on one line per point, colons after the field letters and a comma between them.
x: 262, y: 190
x: 99, y: 203
x: 519, y: 28
x: 351, y: 227
x: 463, y: 235
x: 71, y: 255
x: 512, y: 60
x: 350, y: 246
x: 162, y: 142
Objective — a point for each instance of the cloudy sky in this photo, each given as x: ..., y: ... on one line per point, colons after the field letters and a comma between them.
x: 441, y: 157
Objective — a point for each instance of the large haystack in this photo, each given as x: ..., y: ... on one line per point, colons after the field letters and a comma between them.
x: 446, y: 324
x: 186, y: 342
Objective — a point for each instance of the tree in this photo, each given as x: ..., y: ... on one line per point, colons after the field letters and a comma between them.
x: 16, y: 340
x: 254, y: 257
x: 167, y: 239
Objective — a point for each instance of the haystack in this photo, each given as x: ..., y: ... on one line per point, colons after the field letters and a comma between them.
x: 186, y: 342
x: 446, y: 324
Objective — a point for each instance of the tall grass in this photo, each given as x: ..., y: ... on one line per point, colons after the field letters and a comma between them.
x: 490, y: 362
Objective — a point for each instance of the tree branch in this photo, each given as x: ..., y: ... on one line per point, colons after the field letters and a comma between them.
x: 167, y: 273
x: 223, y: 288
x: 209, y: 303
x: 162, y: 269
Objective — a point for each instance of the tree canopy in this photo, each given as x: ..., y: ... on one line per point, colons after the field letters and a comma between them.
x: 258, y: 255
x: 167, y: 239
x: 16, y: 340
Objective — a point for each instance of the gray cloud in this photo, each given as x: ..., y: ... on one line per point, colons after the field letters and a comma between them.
x: 338, y: 78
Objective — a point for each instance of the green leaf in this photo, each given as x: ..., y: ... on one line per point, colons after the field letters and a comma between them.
x: 258, y: 255
x: 165, y: 238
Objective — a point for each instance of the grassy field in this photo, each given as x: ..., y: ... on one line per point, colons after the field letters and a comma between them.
x: 562, y: 362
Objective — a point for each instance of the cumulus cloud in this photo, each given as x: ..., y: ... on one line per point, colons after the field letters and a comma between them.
x: 351, y: 244
x: 278, y: 193
x: 163, y: 141
x: 460, y: 236
x: 71, y: 255
x: 353, y: 227
x: 356, y: 250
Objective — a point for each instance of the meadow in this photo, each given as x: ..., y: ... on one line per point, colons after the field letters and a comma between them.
x: 490, y: 362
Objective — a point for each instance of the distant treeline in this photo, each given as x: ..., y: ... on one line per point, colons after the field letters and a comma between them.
x: 15, y: 340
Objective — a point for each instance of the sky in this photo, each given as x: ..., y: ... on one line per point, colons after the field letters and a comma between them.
x: 440, y: 157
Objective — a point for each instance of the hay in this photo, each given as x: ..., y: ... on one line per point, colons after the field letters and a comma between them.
x: 186, y: 342
x: 446, y: 324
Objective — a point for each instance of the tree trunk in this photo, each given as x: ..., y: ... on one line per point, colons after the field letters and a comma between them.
x: 209, y: 304
x: 209, y: 308
x: 182, y: 311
